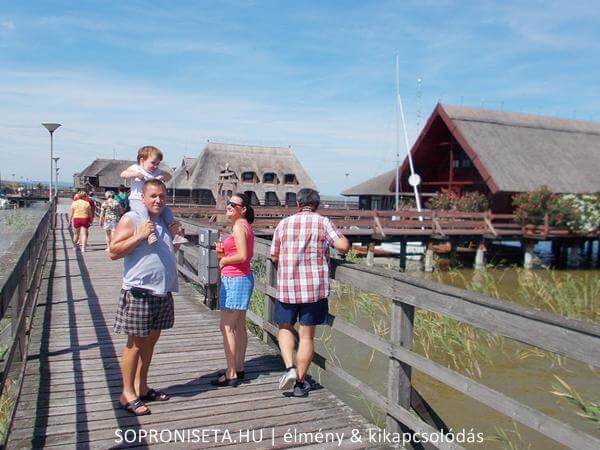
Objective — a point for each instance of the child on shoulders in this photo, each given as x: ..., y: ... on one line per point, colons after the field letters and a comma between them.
x: 147, y: 168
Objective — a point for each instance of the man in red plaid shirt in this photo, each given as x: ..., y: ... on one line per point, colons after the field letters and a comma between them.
x: 300, y: 249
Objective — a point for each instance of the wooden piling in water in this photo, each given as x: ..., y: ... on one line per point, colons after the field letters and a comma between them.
x: 371, y: 254
x: 429, y: 258
x: 403, y: 254
x: 528, y: 257
x: 480, y: 257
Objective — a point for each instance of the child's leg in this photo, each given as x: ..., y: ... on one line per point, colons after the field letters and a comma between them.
x: 167, y: 215
x: 139, y: 207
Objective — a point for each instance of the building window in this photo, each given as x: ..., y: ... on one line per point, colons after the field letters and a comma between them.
x: 290, y: 178
x: 254, y: 201
x: 290, y: 199
x: 206, y: 197
x: 270, y: 178
x: 249, y: 177
x: 271, y: 199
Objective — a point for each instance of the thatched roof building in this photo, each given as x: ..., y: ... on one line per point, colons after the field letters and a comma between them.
x: 269, y: 175
x: 499, y: 154
x: 105, y: 174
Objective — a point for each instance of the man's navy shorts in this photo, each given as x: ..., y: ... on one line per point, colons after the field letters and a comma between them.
x: 306, y: 313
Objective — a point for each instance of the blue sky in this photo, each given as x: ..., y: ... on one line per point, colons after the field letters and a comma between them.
x: 318, y: 76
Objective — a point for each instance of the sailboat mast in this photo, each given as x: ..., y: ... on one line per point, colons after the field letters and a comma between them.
x: 414, y: 178
x: 397, y: 134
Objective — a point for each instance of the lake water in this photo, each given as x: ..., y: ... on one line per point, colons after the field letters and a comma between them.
x: 521, y: 372
x: 15, y: 222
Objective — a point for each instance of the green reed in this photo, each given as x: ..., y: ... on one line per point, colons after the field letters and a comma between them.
x: 509, y: 439
x: 587, y: 409
x: 6, y: 405
x: 16, y: 221
x: 562, y: 293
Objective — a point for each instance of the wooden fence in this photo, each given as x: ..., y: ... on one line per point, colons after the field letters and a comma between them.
x: 19, y: 290
x: 379, y: 224
x: 572, y: 338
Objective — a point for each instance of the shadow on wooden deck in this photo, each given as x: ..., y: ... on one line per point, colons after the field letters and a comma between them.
x: 72, y: 381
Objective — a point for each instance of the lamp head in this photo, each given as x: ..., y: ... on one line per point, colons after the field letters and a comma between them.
x: 51, y: 126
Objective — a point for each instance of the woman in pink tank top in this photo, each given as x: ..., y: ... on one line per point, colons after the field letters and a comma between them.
x: 237, y: 284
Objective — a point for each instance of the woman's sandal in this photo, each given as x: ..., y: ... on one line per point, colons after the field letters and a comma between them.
x: 240, y: 375
x: 133, y: 406
x: 155, y: 395
x: 224, y: 381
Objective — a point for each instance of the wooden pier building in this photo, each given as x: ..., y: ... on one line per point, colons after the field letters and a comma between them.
x: 496, y: 153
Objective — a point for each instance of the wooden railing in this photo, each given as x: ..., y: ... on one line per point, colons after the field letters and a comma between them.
x: 19, y: 290
x: 572, y: 338
x: 380, y: 224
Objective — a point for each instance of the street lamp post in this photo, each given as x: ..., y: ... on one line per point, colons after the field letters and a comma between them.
x: 346, y: 198
x: 57, y: 171
x: 51, y: 127
x: 56, y: 175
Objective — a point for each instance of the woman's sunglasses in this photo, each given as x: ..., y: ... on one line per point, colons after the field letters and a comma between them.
x: 233, y: 204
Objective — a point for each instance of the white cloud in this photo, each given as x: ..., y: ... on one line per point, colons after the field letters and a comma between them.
x: 7, y: 25
x: 100, y: 113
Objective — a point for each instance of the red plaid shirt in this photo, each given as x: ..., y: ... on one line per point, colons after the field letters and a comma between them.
x: 301, y: 243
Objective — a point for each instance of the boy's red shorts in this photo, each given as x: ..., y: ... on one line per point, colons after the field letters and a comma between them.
x: 81, y: 222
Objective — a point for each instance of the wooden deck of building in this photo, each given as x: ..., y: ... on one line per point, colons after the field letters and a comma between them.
x: 69, y: 396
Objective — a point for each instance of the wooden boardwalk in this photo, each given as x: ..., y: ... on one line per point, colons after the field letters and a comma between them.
x: 72, y: 381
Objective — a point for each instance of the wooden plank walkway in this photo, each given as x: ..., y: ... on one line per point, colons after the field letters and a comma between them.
x: 72, y: 382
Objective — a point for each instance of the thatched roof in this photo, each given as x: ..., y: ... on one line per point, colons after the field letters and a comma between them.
x: 379, y: 185
x: 182, y: 172
x: 520, y: 152
x: 203, y: 173
x: 108, y: 172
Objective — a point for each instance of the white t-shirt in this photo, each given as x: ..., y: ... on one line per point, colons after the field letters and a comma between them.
x: 137, y: 184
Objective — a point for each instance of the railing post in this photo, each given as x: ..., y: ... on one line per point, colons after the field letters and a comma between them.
x: 271, y: 281
x: 399, y: 374
x: 18, y: 330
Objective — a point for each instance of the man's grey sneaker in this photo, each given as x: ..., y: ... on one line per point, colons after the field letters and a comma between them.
x: 301, y: 388
x: 288, y: 378
x: 178, y: 239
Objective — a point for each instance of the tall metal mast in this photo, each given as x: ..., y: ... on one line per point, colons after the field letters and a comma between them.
x: 414, y: 180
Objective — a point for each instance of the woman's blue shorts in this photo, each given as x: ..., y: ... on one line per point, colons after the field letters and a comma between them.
x: 236, y: 292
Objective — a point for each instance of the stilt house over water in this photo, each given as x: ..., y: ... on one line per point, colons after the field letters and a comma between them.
x: 270, y: 176
x: 496, y: 153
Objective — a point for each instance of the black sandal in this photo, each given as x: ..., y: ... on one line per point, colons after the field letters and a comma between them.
x: 233, y: 382
x: 155, y: 395
x: 133, y: 406
x: 240, y: 375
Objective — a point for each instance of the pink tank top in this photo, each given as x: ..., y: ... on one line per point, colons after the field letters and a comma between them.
x: 242, y: 269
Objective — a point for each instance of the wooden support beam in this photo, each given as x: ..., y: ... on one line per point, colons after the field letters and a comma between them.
x: 371, y: 254
x: 429, y: 258
x: 399, y: 373
x: 480, y: 257
x: 402, y: 254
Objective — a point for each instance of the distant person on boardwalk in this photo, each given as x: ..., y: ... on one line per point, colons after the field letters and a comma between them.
x: 80, y: 218
x: 110, y: 211
x: 146, y: 303
x: 300, y: 249
x: 148, y: 160
x: 88, y: 197
x: 237, y: 283
x: 123, y: 198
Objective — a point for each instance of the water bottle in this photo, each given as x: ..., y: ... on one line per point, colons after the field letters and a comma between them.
x: 219, y: 245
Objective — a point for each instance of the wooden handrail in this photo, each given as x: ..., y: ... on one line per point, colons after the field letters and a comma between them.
x: 19, y: 290
x: 573, y: 338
